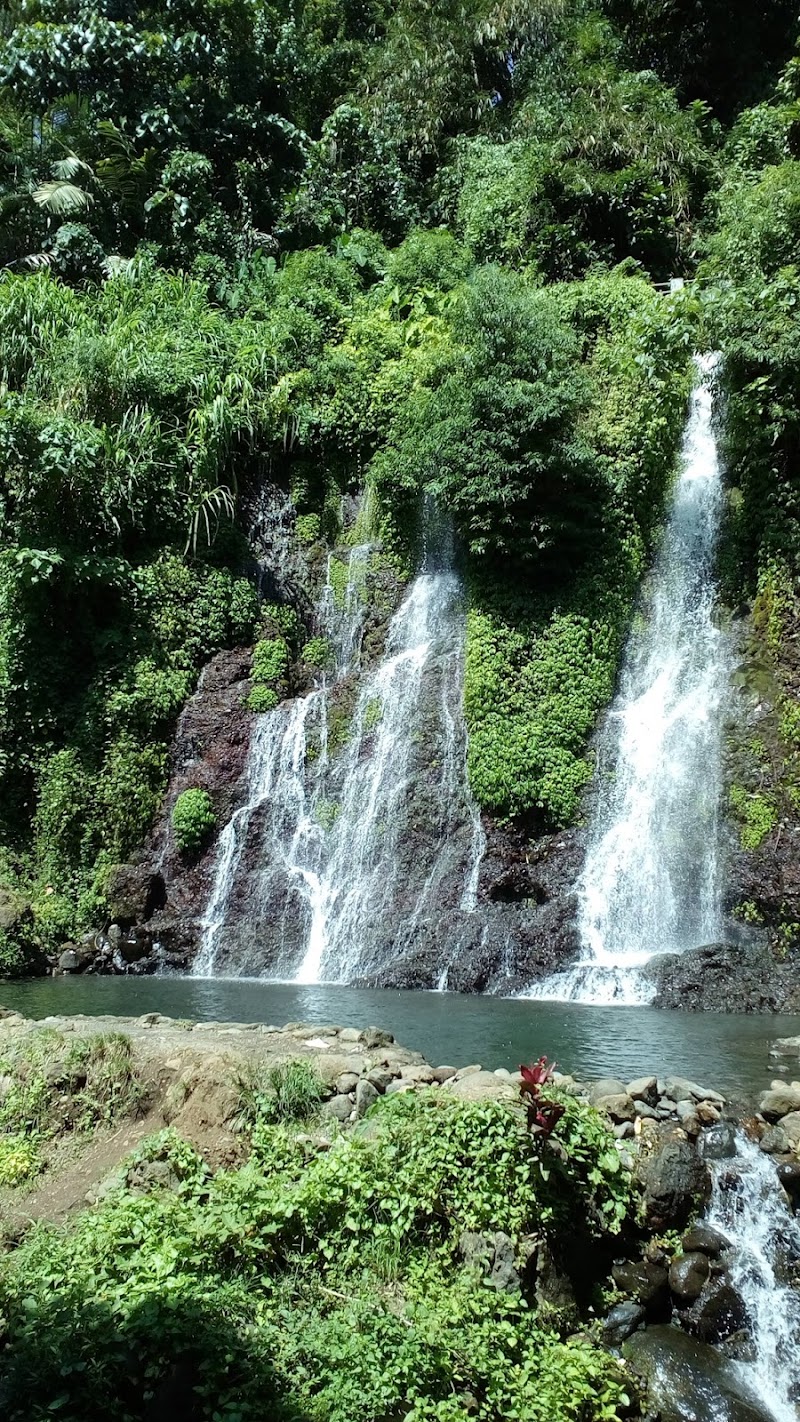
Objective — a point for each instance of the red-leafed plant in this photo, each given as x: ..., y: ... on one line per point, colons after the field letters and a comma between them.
x: 543, y: 1115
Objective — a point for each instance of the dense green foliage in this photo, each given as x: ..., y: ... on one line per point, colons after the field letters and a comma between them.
x: 349, y: 245
x: 321, y: 1284
x: 193, y: 819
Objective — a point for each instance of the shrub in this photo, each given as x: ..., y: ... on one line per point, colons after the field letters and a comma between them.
x: 19, y: 1159
x: 261, y: 698
x: 270, y: 660
x: 193, y: 819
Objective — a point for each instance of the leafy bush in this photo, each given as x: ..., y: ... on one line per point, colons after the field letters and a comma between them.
x: 261, y: 699
x: 19, y: 1159
x: 193, y: 819
x: 290, y: 1091
x: 327, y: 1285
x: 270, y: 660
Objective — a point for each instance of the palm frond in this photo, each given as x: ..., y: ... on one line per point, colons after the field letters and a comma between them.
x: 62, y: 199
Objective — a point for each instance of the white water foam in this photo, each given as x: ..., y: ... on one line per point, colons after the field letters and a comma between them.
x: 749, y: 1208
x: 651, y: 881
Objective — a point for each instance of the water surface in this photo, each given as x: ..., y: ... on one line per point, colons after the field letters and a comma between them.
x: 730, y: 1053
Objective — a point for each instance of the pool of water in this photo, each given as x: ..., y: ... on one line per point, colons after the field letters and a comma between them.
x: 730, y: 1053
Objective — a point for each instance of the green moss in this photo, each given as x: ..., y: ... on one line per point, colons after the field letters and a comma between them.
x: 307, y: 528
x: 756, y: 814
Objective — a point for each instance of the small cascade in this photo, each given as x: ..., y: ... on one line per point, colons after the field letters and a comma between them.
x: 340, y: 864
x: 651, y: 880
x: 749, y: 1208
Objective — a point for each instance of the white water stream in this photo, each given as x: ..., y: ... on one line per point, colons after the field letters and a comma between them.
x: 651, y: 880
x: 356, y: 853
x: 749, y: 1208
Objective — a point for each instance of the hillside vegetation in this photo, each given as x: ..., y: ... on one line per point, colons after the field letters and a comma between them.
x: 351, y: 245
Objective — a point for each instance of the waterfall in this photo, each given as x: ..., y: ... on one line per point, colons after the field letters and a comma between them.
x: 750, y: 1209
x: 339, y: 864
x: 651, y: 880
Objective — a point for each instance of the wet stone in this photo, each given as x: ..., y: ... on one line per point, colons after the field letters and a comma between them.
x: 687, y: 1275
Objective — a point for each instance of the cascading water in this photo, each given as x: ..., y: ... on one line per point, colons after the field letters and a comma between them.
x: 651, y: 881
x: 749, y: 1208
x: 339, y: 864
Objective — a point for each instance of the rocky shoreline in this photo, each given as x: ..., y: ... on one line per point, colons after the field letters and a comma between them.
x: 675, y: 1309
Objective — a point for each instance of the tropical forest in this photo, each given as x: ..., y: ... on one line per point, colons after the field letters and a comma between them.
x: 399, y: 624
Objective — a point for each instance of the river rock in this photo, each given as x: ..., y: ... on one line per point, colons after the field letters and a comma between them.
x: 375, y: 1037
x: 347, y: 1082
x: 688, y: 1117
x: 339, y: 1107
x: 351, y: 1034
x: 607, y: 1086
x: 676, y: 1184
x: 688, y: 1381
x: 619, y: 1108
x: 774, y: 1141
x: 135, y: 892
x: 443, y: 1073
x: 380, y: 1079
x: 782, y: 1098
x: 481, y: 1086
x: 647, y: 1113
x: 785, y: 1047
x: 718, y: 1313
x: 687, y: 1275
x: 69, y: 961
x: 705, y: 1240
x: 791, y: 1125
x: 366, y: 1096
x: 718, y: 1143
x: 789, y: 1176
x: 647, y: 1283
x: 621, y: 1321
x: 645, y: 1089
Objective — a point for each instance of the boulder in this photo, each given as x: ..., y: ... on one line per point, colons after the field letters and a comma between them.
x: 719, y: 1142
x: 705, y: 1240
x: 366, y: 1096
x: 676, y: 1185
x: 339, y: 1107
x: 718, y: 1313
x: 13, y: 909
x: 782, y: 1098
x: 621, y: 1321
x: 791, y: 1126
x: 774, y: 1141
x: 789, y: 1176
x: 351, y: 1034
x: 644, y: 1088
x: 481, y: 1086
x: 443, y: 1073
x: 69, y: 960
x: 606, y: 1086
x: 647, y: 1113
x: 347, y: 1082
x: 619, y: 1107
x: 374, y: 1037
x: 645, y: 1282
x: 687, y: 1275
x: 687, y: 1379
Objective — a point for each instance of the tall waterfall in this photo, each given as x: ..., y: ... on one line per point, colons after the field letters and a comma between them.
x: 749, y: 1207
x: 339, y: 863
x: 651, y: 881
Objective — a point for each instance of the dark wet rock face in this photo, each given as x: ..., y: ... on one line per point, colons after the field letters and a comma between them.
x: 723, y: 977
x: 676, y: 1183
x: 688, y: 1380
